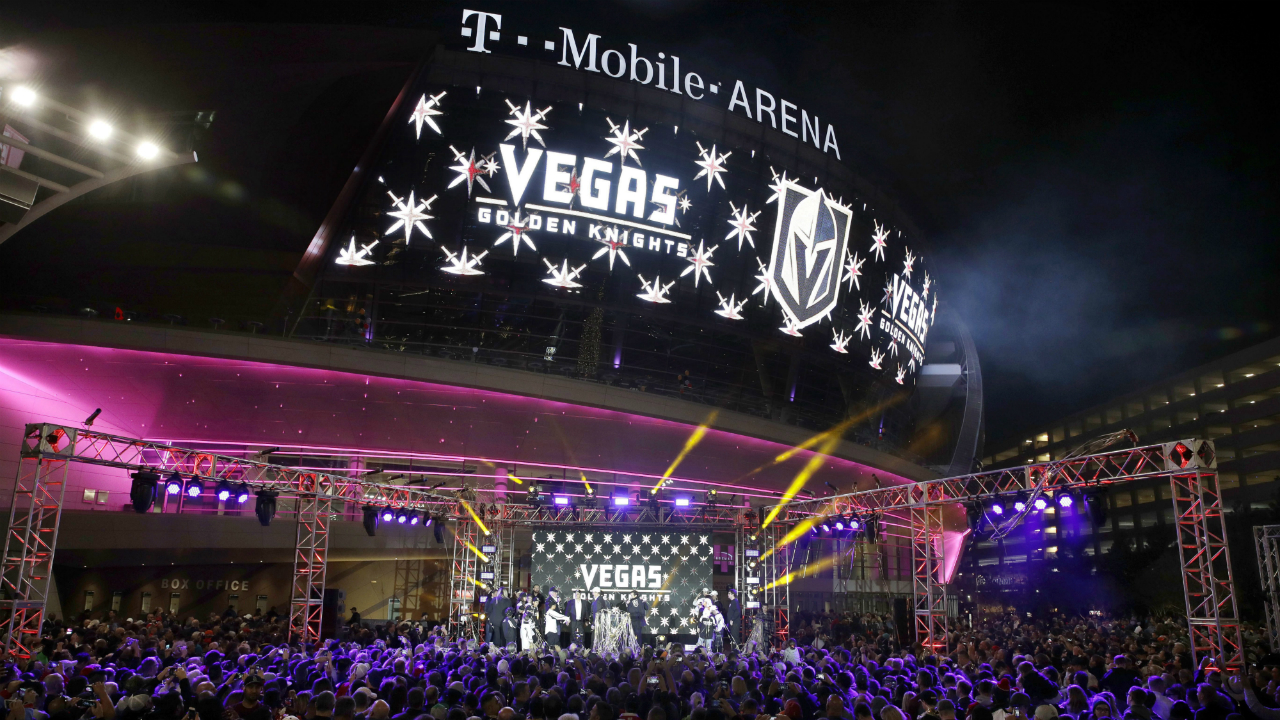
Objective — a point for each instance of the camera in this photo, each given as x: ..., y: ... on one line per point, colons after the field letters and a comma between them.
x: 653, y: 680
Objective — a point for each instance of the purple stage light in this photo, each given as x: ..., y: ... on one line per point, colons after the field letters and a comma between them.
x: 1041, y: 503
x: 1065, y: 501
x: 387, y: 515
x: 682, y: 502
x: 621, y: 501
x: 193, y: 491
x: 561, y: 500
x: 997, y: 508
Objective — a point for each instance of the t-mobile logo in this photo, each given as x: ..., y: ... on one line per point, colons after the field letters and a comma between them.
x: 482, y: 23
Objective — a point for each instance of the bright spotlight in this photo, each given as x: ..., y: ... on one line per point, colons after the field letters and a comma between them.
x: 682, y: 502
x: 1064, y: 500
x: 562, y: 500
x: 621, y: 501
x: 195, y: 488
x: 402, y: 517
x: 388, y: 515
x: 173, y: 485
x: 100, y: 130
x: 242, y: 493
x: 24, y: 96
x: 413, y: 518
x: 224, y: 491
x: 1041, y: 503
x: 997, y: 508
x: 839, y: 525
x: 148, y: 151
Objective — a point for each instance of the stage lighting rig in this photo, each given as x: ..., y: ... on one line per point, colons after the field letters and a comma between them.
x: 534, y: 495
x: 224, y: 491
x: 413, y: 518
x: 143, y: 491
x: 589, y: 497
x: 1041, y: 503
x: 402, y: 517
x: 996, y: 508
x: 242, y: 494
x: 712, y: 496
x: 195, y: 488
x: 1020, y: 502
x: 265, y: 506
x: 370, y: 521
x: 173, y: 485
x: 387, y: 514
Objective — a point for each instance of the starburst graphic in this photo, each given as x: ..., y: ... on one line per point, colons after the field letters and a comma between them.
x: 351, y: 256
x: 933, y: 313
x: 766, y: 283
x: 684, y: 201
x: 743, y: 225
x: 902, y: 374
x: 790, y: 326
x: 911, y: 364
x: 888, y: 293
x: 562, y: 277
x: 517, y: 232
x: 841, y: 341
x: 853, y: 270
x: 574, y: 186
x: 625, y: 141
x: 700, y: 263
x: 927, y: 281
x: 409, y: 214
x: 712, y: 165
x: 730, y: 309
x: 778, y: 186
x: 471, y: 171
x: 655, y: 292
x: 460, y: 264
x: 864, y: 321
x: 907, y: 264
x: 878, y: 241
x: 527, y: 123
x: 425, y: 110
x: 893, y: 347
x: 615, y: 242
x: 876, y: 358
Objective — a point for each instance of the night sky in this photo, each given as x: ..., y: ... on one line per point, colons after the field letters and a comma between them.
x: 1096, y: 183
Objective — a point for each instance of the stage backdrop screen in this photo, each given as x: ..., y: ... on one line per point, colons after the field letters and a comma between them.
x: 667, y: 568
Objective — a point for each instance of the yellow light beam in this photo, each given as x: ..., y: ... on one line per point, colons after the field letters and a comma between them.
x: 513, y: 477
x: 814, y: 440
x: 475, y: 517
x: 472, y: 548
x: 802, y: 477
x: 815, y: 566
x: 689, y: 445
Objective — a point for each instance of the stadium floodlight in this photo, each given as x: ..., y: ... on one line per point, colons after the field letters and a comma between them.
x: 173, y: 485
x: 265, y: 506
x: 242, y: 493
x: 1041, y: 503
x: 100, y: 129
x: 195, y: 488
x: 370, y: 520
x: 148, y: 150
x: 142, y: 494
x: 23, y: 95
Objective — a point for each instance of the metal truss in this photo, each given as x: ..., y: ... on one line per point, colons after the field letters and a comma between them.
x: 930, y: 593
x: 463, y: 580
x: 718, y: 516
x: 310, y: 564
x: 1267, y: 540
x: 1212, y: 616
x: 35, y: 513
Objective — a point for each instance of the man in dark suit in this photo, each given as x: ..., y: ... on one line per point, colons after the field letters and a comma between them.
x: 501, y: 602
x: 493, y: 618
x: 733, y: 617
x: 637, y: 609
x: 578, y: 612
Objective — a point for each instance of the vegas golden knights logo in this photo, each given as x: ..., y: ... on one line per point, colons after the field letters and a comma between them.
x: 809, y: 242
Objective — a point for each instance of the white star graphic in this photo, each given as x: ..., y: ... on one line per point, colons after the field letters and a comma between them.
x: 893, y: 347
x: 666, y: 539
x: 911, y: 365
x: 766, y: 283
x: 551, y: 537
x: 626, y: 538
x: 655, y: 292
x: 540, y: 548
x: 791, y: 326
x: 778, y: 186
x: 471, y: 171
x: 841, y: 341
x: 902, y: 374
x: 517, y: 233
x: 563, y: 276
x: 423, y: 113
x: 577, y: 549
x: 712, y: 165
x: 598, y: 549
x: 700, y: 262
x: 410, y: 214
x: 527, y: 123
x: 888, y: 293
x: 625, y: 141
x: 933, y: 313
x: 878, y: 241
x: 743, y: 225
x: 876, y: 358
x: 927, y: 281
x: 730, y: 309
x: 560, y: 548
x: 853, y: 270
x: 864, y: 321
x: 684, y: 202
x: 460, y: 264
x: 702, y: 539
x: 908, y: 263
x: 684, y: 539
x: 614, y: 243
x: 351, y: 256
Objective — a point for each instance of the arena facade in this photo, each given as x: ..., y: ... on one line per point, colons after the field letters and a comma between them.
x: 564, y: 261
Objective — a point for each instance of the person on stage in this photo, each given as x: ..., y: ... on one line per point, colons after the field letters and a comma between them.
x: 577, y: 611
x: 733, y: 617
x: 637, y: 609
x: 511, y: 626
x: 710, y: 623
x: 495, y: 613
x: 553, y: 618
x: 528, y: 609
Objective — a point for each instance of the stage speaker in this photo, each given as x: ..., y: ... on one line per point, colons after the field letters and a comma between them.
x: 334, y: 620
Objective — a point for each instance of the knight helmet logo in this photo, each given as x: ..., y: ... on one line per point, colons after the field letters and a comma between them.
x: 809, y: 242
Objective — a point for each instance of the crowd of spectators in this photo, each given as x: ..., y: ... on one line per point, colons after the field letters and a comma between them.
x: 1006, y: 667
